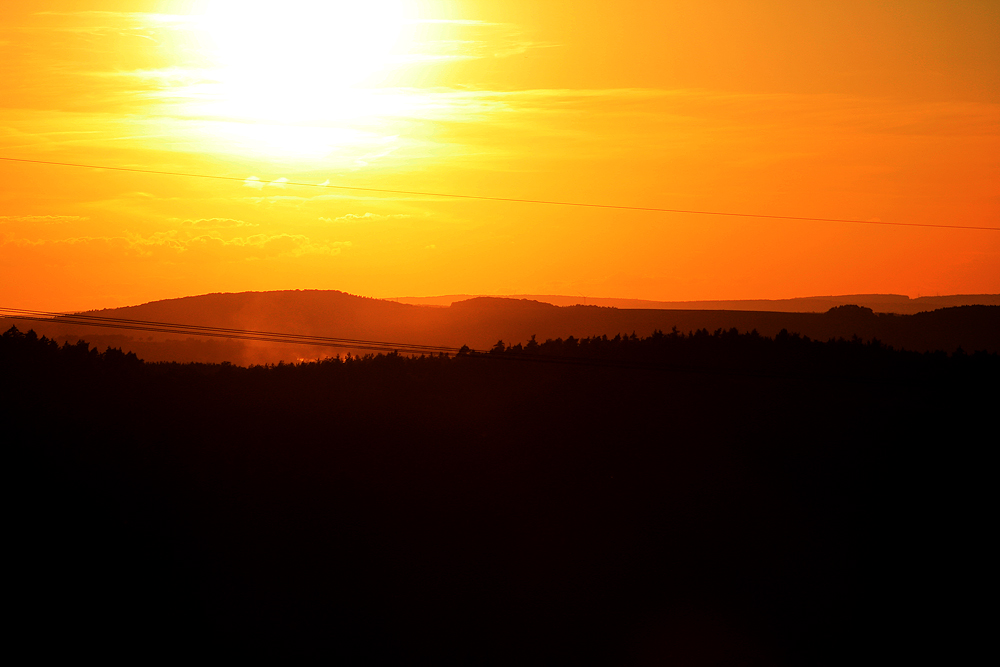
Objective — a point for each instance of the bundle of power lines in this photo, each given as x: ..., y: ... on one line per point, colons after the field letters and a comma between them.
x: 220, y: 332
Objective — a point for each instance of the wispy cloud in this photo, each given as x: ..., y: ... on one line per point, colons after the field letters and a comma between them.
x: 365, y: 217
x: 266, y: 245
x: 105, y: 17
x: 216, y: 223
x: 129, y: 24
x: 43, y: 219
x: 455, y: 22
x: 461, y: 39
x: 168, y: 245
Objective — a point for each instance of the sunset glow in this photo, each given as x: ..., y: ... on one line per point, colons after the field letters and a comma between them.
x: 298, y: 60
x: 653, y: 332
x: 835, y: 110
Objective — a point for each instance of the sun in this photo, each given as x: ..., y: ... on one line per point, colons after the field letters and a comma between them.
x: 299, y: 60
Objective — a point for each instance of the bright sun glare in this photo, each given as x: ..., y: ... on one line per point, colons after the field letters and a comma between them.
x: 300, y: 60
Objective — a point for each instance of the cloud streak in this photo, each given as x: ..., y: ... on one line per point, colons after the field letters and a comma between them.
x: 43, y: 219
x: 167, y: 245
x: 217, y: 223
x: 364, y: 217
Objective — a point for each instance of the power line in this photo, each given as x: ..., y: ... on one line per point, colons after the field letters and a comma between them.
x: 47, y: 317
x: 451, y: 195
x: 219, y: 332
x: 80, y: 319
x: 83, y: 318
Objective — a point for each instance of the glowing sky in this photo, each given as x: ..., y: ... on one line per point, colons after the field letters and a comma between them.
x: 873, y: 111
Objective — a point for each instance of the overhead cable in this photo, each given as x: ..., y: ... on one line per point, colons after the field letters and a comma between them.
x: 552, y: 202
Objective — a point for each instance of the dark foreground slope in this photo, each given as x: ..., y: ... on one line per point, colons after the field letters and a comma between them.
x: 714, y: 499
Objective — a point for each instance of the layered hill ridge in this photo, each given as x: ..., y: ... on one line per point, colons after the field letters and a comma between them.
x: 480, y: 322
x: 898, y: 304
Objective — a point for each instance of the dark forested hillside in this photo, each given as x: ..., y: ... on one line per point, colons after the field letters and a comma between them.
x: 479, y: 322
x: 719, y: 498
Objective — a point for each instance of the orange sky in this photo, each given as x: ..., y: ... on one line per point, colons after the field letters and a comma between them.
x: 887, y: 111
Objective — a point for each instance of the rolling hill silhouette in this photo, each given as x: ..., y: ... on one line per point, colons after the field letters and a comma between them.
x: 481, y: 321
x: 880, y: 303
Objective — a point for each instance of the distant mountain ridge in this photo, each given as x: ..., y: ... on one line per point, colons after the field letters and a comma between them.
x: 480, y: 322
x: 898, y: 304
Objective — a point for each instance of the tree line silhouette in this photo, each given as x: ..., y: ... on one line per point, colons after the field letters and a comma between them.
x: 699, y: 498
x: 476, y: 322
